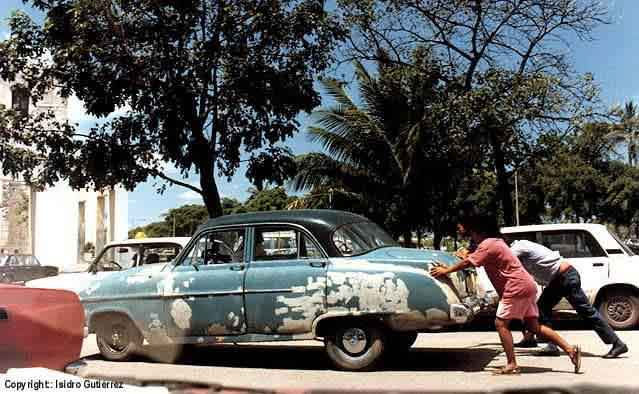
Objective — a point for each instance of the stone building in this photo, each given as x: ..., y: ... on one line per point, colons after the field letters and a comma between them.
x: 59, y: 224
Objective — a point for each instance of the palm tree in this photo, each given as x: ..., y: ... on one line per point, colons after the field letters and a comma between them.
x: 383, y: 154
x: 627, y: 131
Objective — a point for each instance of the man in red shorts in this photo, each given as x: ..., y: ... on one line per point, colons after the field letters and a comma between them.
x: 516, y: 288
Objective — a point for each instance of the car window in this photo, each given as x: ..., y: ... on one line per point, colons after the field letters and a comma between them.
x: 528, y: 236
x: 308, y: 249
x: 153, y: 254
x: 572, y: 244
x: 357, y: 238
x: 118, y: 257
x: 219, y: 247
x: 275, y: 243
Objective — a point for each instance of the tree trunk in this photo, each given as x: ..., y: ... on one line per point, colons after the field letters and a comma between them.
x: 503, y: 187
x: 437, y: 239
x: 408, y: 239
x: 211, y: 195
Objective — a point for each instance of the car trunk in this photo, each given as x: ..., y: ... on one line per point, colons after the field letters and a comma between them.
x: 463, y: 283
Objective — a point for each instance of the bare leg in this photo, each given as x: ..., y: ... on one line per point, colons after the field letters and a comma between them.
x: 573, y: 351
x: 506, y: 338
x: 533, y: 325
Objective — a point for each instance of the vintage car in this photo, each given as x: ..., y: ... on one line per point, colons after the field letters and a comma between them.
x: 343, y: 279
x: 23, y: 267
x: 116, y: 256
x: 39, y: 328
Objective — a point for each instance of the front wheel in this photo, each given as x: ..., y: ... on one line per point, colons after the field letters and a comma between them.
x: 620, y: 308
x: 118, y: 339
x: 357, y: 346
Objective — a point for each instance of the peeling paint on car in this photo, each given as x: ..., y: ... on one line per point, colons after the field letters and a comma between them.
x: 181, y: 314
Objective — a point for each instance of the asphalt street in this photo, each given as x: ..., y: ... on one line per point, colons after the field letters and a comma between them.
x: 450, y: 361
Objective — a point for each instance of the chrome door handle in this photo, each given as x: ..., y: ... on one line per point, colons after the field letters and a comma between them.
x: 317, y: 264
x: 597, y: 264
x: 239, y: 267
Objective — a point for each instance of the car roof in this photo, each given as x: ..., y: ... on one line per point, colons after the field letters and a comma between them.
x: 320, y: 222
x: 156, y: 240
x: 550, y: 227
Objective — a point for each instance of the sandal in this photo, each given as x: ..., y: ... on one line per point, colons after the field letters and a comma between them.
x: 506, y: 371
x: 576, y: 358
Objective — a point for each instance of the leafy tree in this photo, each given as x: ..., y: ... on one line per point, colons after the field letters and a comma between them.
x: 627, y: 131
x: 274, y: 199
x: 192, y: 83
x: 394, y: 154
x: 496, y: 50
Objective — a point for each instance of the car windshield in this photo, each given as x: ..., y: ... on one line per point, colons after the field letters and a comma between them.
x: 622, y: 244
x: 358, y: 238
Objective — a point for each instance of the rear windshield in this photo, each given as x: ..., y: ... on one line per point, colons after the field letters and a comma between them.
x: 358, y: 238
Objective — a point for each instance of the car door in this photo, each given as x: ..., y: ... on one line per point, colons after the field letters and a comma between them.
x: 204, y: 292
x: 285, y: 280
x: 584, y: 253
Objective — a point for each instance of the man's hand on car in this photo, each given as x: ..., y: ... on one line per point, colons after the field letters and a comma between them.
x: 438, y: 269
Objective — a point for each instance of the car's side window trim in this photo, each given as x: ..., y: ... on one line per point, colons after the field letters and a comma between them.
x: 184, y: 253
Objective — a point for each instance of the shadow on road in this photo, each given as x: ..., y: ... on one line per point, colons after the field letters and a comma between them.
x: 314, y: 358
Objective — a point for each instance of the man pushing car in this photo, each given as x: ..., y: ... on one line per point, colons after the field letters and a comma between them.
x: 515, y: 286
x: 561, y: 280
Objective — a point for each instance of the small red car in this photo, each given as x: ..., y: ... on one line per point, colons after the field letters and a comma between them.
x: 39, y: 327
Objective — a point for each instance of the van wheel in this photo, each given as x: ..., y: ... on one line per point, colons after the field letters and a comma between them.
x: 620, y: 308
x: 117, y: 337
x: 399, y: 342
x: 356, y: 346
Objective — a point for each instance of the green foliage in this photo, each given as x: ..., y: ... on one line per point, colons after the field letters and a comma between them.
x: 194, y: 83
x: 395, y: 158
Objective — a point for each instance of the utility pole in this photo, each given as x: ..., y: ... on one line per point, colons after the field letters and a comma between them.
x: 174, y: 224
x: 516, y: 201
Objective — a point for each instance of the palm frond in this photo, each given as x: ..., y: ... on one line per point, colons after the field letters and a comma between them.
x: 335, y: 90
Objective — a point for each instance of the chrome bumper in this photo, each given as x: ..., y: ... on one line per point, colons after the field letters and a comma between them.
x: 466, y: 311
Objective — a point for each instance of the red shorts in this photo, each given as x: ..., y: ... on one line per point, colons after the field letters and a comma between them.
x: 517, y: 308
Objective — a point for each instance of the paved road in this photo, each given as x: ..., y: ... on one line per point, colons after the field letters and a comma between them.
x: 441, y: 361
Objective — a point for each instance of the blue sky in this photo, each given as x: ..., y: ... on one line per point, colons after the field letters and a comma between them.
x: 613, y: 58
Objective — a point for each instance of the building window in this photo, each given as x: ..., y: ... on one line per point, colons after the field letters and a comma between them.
x: 20, y: 100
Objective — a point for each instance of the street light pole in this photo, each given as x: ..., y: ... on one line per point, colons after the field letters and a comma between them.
x: 516, y: 201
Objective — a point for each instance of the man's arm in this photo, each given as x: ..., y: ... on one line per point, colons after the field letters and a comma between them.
x: 442, y: 270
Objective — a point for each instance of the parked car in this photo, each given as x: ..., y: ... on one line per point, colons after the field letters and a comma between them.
x: 609, y: 270
x: 39, y: 328
x: 342, y: 279
x: 23, y: 267
x: 117, y: 256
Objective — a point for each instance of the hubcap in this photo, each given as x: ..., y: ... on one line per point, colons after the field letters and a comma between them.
x: 119, y: 339
x: 354, y: 340
x: 619, y: 309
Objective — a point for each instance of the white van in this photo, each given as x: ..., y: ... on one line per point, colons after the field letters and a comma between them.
x: 609, y: 270
x: 117, y: 256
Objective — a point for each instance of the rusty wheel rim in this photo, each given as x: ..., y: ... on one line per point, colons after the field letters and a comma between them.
x: 619, y: 309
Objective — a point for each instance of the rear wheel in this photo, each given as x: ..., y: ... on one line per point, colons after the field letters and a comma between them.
x: 117, y: 337
x: 355, y: 346
x: 620, y: 308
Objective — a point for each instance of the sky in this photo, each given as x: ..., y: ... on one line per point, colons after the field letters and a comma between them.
x: 613, y: 59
